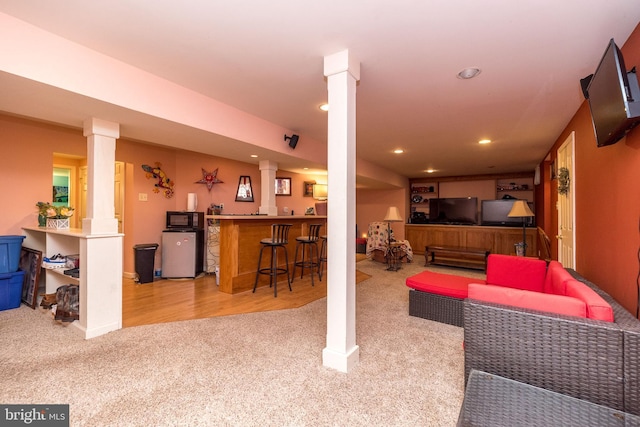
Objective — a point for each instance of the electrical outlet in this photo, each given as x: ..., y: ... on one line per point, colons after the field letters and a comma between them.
x: 221, y: 206
x: 142, y: 197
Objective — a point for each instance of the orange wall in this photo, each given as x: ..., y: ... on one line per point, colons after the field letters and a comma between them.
x: 607, y: 201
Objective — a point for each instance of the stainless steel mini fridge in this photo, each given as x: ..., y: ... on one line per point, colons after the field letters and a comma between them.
x: 182, y: 253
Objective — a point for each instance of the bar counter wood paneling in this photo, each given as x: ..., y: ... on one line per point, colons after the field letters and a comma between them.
x: 498, y: 240
x: 240, y: 237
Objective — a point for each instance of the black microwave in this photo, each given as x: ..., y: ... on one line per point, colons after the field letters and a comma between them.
x: 183, y: 219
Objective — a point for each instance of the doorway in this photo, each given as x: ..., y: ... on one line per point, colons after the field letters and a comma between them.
x: 566, y: 202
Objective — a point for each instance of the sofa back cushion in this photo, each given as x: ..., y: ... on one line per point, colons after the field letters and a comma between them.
x: 556, y: 279
x: 516, y: 272
x: 528, y: 299
x: 597, y: 307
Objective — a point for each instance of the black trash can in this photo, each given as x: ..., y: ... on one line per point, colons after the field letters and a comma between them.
x: 145, y: 257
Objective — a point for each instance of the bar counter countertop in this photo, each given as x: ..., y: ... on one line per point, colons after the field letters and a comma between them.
x: 240, y: 237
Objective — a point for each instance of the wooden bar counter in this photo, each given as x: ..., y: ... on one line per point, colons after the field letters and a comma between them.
x: 240, y: 237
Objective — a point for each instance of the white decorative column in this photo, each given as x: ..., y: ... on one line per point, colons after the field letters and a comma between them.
x: 100, y: 243
x: 267, y: 187
x: 341, y: 352
x: 101, y: 157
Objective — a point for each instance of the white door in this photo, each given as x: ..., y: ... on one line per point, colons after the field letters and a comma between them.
x: 566, y: 201
x: 118, y: 193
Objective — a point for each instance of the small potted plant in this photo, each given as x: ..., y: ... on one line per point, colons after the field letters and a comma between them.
x: 56, y: 216
x: 43, y: 207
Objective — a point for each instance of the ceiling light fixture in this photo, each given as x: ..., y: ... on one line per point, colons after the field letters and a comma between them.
x: 469, y: 73
x: 254, y: 155
x: 430, y: 170
x: 484, y: 141
x: 398, y: 151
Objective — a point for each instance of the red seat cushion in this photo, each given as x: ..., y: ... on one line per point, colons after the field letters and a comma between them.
x: 441, y: 284
x: 516, y: 272
x: 527, y: 299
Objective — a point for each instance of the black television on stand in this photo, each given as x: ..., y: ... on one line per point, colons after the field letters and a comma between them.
x: 614, y: 97
x: 496, y: 213
x: 454, y: 210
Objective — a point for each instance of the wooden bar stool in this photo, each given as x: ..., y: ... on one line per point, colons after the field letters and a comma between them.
x: 323, y: 255
x: 279, y: 239
x: 309, y: 242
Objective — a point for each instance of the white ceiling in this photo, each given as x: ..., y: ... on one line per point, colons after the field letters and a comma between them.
x: 266, y: 58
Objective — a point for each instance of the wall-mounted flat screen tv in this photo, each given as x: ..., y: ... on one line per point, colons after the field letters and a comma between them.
x: 454, y: 210
x: 496, y: 213
x: 614, y: 97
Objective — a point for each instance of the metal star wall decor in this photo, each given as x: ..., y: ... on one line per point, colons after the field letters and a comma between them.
x: 209, y: 178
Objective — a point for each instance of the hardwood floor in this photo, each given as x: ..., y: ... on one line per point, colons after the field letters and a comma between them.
x: 170, y: 300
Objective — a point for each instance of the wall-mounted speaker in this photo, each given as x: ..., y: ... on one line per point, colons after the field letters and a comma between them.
x: 293, y: 140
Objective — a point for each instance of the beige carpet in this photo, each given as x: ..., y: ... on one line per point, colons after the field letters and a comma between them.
x: 261, y: 369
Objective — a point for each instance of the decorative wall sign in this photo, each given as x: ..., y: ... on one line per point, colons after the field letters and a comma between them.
x: 245, y: 192
x: 209, y: 178
x: 308, y: 188
x: 164, y: 183
x: 283, y: 186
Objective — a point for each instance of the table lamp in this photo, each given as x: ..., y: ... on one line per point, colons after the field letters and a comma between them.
x: 520, y: 209
x: 393, y: 215
x: 320, y: 193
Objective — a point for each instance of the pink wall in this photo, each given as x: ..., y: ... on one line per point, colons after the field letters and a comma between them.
x: 372, y: 206
x: 27, y: 169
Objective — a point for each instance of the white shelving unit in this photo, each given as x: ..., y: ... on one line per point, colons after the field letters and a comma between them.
x: 100, y: 274
x: 51, y: 242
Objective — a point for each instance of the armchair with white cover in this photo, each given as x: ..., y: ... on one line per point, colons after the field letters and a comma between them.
x: 378, y: 238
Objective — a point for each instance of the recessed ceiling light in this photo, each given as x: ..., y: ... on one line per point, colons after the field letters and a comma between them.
x: 398, y: 151
x: 324, y: 107
x: 484, y: 141
x: 469, y: 73
x: 430, y: 170
x: 254, y: 155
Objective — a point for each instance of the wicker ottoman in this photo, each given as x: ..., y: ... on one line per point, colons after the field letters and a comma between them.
x: 492, y: 400
x: 439, y: 297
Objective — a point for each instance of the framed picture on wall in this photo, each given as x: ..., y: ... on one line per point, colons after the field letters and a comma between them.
x: 31, y: 264
x: 308, y: 188
x: 245, y: 192
x: 283, y: 186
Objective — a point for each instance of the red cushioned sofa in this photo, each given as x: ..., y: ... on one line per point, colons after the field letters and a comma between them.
x: 515, y: 281
x: 544, y: 326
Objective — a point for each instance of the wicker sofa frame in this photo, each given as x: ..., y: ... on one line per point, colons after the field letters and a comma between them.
x: 588, y: 359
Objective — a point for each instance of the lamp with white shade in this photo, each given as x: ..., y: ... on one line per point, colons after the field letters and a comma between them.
x: 321, y: 193
x: 520, y: 209
x: 393, y: 215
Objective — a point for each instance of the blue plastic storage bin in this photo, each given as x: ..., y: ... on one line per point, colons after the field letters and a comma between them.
x: 11, y: 289
x: 10, y: 253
